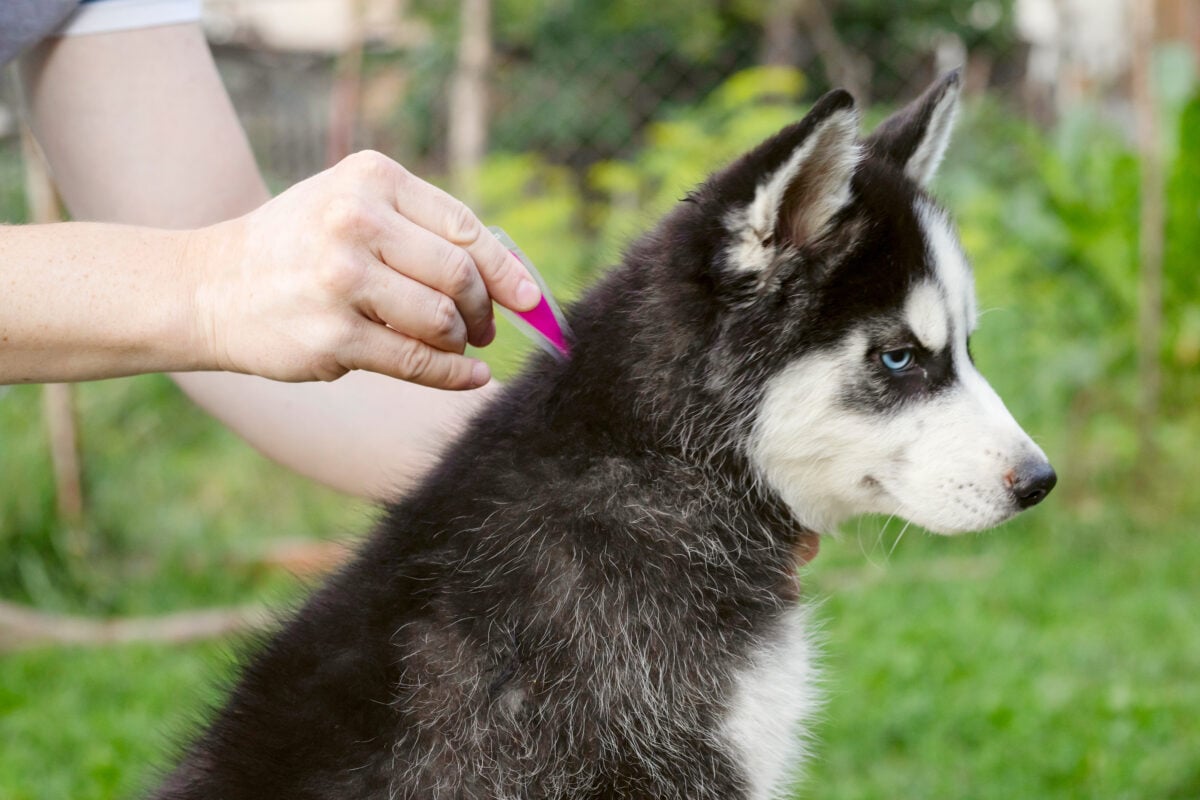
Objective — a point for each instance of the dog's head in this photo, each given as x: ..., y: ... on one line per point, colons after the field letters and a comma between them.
x: 835, y: 306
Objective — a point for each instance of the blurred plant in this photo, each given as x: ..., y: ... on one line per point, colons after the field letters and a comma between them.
x: 900, y: 44
x: 685, y: 145
x: 580, y: 82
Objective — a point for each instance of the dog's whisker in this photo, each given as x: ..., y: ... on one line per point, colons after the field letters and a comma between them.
x: 877, y: 544
x: 898, y: 538
x: 882, y: 531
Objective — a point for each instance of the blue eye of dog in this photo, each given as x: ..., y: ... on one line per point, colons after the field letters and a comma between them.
x: 897, y: 360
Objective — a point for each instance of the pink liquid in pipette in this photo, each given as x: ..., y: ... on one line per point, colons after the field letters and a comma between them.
x: 542, y: 319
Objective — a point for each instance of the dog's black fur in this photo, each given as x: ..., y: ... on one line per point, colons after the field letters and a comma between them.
x: 556, y: 612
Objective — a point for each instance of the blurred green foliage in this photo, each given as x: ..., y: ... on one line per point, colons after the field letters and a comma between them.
x: 98, y: 724
x: 898, y: 42
x: 579, y: 82
x: 576, y: 81
x: 1054, y: 659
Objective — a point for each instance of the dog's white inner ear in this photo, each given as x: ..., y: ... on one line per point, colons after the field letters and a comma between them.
x: 915, y: 137
x: 799, y: 200
x: 927, y: 156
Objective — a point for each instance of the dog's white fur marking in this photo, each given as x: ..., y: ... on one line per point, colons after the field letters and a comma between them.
x: 926, y: 313
x: 943, y: 312
x: 771, y: 701
x: 826, y: 160
x: 923, y: 164
x: 939, y: 461
x: 951, y: 267
x: 799, y: 430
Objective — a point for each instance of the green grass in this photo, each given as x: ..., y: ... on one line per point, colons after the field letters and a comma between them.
x: 179, y: 510
x: 1048, y: 659
x: 97, y: 723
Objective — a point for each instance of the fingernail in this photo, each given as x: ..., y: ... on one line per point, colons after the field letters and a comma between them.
x: 480, y: 374
x: 528, y: 294
x: 489, y: 333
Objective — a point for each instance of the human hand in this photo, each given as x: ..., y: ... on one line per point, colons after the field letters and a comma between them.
x: 363, y: 266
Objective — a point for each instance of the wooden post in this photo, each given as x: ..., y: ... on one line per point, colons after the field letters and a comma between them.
x: 58, y: 399
x: 346, y: 93
x: 467, y: 133
x: 844, y: 68
x: 1151, y: 226
x: 781, y: 33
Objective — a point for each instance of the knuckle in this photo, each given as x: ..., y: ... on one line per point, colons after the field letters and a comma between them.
x: 446, y: 321
x: 401, y: 176
x: 331, y: 338
x: 368, y: 164
x: 330, y: 341
x: 459, y: 271
x: 329, y: 368
x: 342, y: 277
x: 414, y: 359
x: 462, y: 226
x: 346, y: 216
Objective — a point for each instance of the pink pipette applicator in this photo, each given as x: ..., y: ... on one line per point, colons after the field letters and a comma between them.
x: 544, y: 323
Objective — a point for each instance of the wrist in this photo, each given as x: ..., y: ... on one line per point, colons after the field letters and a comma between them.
x: 194, y: 330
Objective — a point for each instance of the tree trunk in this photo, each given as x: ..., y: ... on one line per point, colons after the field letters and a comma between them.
x: 845, y: 69
x: 346, y: 92
x: 58, y: 399
x: 781, y: 33
x: 1152, y: 224
x: 469, y: 99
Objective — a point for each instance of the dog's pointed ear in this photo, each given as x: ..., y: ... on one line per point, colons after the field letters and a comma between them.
x: 788, y: 190
x: 915, y: 137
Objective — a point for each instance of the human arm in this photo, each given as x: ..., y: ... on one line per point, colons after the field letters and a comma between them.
x: 292, y: 291
x: 87, y: 300
x: 90, y: 300
x: 161, y: 146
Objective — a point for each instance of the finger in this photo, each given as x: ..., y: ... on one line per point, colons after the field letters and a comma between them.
x: 413, y: 309
x: 388, y: 352
x: 505, y: 277
x: 416, y: 253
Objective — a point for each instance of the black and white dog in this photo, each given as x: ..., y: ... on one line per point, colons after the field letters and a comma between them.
x: 595, y: 594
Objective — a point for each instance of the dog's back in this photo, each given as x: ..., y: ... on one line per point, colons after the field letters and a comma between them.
x: 595, y: 594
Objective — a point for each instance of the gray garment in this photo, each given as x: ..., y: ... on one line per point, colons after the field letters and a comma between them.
x: 24, y: 22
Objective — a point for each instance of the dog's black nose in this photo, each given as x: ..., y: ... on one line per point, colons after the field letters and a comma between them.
x: 1031, y: 482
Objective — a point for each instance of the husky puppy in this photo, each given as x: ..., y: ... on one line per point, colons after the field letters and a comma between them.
x: 595, y: 594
